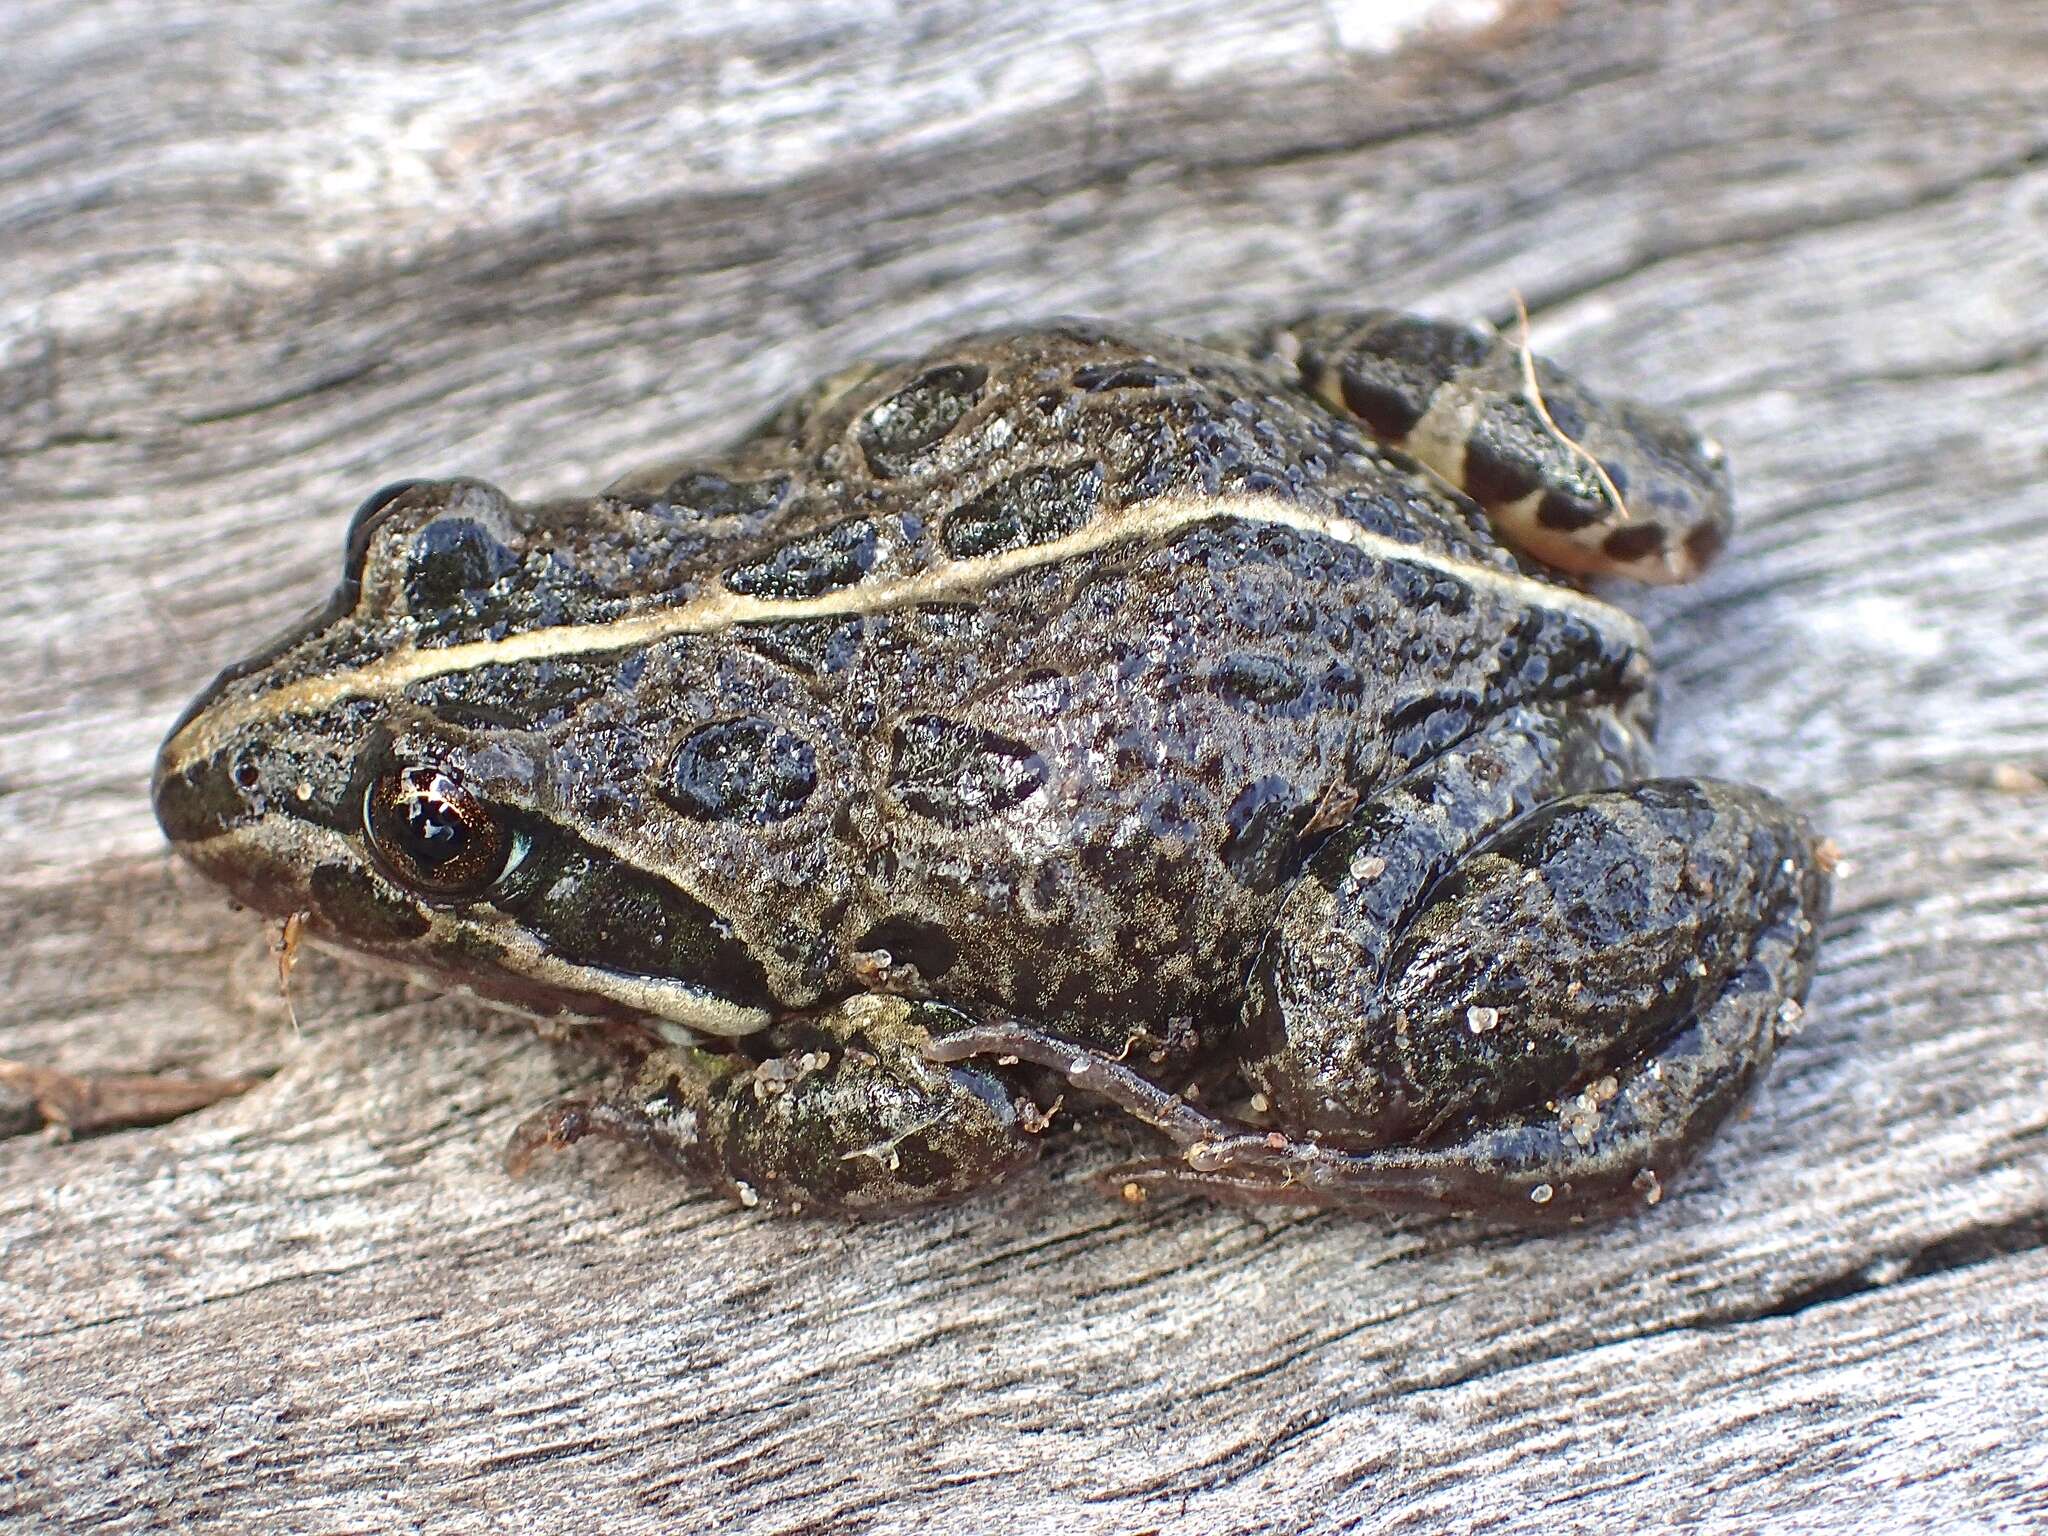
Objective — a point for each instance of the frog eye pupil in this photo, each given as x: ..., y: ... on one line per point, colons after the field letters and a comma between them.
x: 436, y: 834
x: 430, y: 834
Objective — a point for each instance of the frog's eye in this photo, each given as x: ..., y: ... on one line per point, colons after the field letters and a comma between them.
x: 432, y: 836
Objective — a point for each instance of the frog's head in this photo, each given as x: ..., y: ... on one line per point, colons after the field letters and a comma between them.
x: 413, y: 769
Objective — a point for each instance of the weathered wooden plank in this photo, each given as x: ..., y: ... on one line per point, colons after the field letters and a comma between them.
x: 261, y: 257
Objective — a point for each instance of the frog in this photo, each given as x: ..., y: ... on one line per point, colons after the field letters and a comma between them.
x: 1232, y: 743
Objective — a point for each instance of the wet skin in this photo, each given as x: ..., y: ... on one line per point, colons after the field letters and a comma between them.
x: 1200, y: 733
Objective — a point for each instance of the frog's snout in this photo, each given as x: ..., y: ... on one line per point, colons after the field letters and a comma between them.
x: 200, y: 794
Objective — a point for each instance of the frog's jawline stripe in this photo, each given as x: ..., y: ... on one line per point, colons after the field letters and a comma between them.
x: 943, y: 581
x: 659, y: 997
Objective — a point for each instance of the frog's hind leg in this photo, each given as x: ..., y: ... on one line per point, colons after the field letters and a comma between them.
x: 1543, y: 1028
x: 1587, y: 485
x: 1394, y: 849
x: 1555, y: 1026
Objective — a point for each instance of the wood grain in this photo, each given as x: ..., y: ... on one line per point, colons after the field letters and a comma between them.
x: 258, y: 257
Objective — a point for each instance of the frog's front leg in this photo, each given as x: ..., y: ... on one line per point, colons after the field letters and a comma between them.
x: 850, y: 1117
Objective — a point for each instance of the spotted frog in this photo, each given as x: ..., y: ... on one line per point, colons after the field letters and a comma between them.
x: 1210, y: 737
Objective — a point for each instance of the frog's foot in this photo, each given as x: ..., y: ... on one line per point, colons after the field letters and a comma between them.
x: 1202, y: 1137
x: 1234, y: 1163
x: 852, y: 1118
x: 1612, y: 1146
x: 1557, y: 1024
x: 1591, y: 486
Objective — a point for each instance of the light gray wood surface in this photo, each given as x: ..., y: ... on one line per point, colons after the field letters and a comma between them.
x: 259, y: 257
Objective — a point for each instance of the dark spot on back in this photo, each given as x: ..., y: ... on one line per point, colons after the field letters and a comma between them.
x: 897, y: 432
x: 958, y: 774
x: 1034, y: 507
x: 810, y: 566
x: 741, y: 770
x: 1633, y: 543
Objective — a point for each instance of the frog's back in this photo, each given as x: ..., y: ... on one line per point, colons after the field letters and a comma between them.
x: 1086, y: 637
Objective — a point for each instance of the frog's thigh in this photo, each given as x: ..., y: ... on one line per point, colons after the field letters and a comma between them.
x: 1307, y: 1037
x: 1339, y: 925
x: 1564, y: 1019
x: 852, y: 1118
x: 1592, y: 485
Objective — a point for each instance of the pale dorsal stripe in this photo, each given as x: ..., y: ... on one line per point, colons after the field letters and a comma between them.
x: 943, y: 581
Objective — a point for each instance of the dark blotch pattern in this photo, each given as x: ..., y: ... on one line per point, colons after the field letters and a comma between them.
x: 1387, y: 409
x: 958, y: 774
x: 1493, y: 479
x: 590, y: 908
x: 810, y: 566
x: 1564, y: 512
x: 1636, y: 543
x: 1705, y: 543
x: 742, y: 770
x: 896, y: 433
x: 1035, y: 507
x: 701, y: 493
